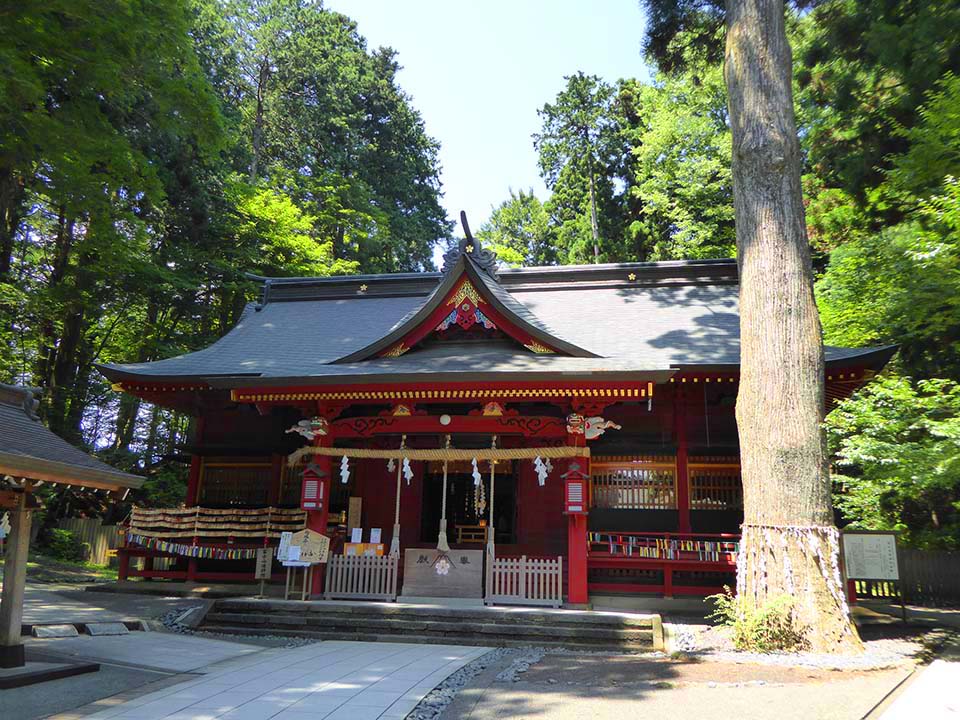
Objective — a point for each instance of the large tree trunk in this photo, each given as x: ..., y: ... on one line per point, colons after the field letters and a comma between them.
x: 594, y: 225
x: 263, y: 77
x: 12, y: 193
x: 790, y: 545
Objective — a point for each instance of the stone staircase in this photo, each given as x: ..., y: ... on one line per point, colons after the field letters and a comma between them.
x: 399, y: 622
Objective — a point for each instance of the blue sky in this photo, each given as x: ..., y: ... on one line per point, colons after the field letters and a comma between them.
x: 478, y: 72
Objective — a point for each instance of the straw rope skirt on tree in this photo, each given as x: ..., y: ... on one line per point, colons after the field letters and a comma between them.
x: 789, y: 546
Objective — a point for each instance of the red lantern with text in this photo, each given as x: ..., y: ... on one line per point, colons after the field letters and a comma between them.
x: 575, y: 490
x: 312, y: 490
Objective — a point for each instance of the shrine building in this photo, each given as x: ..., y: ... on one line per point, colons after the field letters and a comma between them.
x: 538, y: 435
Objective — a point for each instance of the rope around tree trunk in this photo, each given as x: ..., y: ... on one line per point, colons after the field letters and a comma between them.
x: 563, y: 451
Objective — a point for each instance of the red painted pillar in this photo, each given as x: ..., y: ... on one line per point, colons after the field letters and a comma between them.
x: 276, y: 473
x: 577, y: 592
x: 193, y: 483
x: 577, y: 560
x: 683, y: 479
x: 317, y: 519
x: 123, y: 564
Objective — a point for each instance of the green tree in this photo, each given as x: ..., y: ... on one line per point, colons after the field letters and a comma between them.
x: 579, y: 147
x: 897, y: 467
x: 901, y: 286
x: 680, y: 189
x: 324, y: 121
x: 518, y: 230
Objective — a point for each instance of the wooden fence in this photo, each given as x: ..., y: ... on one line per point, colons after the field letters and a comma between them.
x: 928, y: 577
x: 101, y: 538
x: 359, y: 577
x: 524, y: 581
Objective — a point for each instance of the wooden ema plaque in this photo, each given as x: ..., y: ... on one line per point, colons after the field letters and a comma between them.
x: 314, y: 547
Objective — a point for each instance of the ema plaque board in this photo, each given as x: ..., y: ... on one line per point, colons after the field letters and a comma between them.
x: 313, y: 547
x: 870, y: 556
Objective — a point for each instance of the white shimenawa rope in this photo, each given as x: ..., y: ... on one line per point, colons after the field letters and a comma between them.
x: 395, y: 540
x: 442, y: 545
x: 491, y: 532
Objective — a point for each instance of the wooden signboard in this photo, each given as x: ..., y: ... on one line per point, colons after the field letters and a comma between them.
x: 313, y: 547
x: 354, y: 513
x: 10, y: 500
x: 870, y: 556
x: 464, y: 578
x: 264, y: 564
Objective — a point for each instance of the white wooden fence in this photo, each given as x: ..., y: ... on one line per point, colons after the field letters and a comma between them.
x: 359, y: 577
x: 524, y: 581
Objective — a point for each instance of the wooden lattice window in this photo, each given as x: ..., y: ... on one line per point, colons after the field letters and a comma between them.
x: 291, y: 482
x: 241, y: 483
x: 634, y: 484
x: 715, y: 484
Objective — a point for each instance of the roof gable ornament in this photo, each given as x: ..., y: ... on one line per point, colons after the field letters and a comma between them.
x: 470, y: 247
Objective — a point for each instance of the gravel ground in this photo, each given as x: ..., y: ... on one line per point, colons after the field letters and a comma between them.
x: 437, y: 700
x: 885, y: 646
x: 169, y: 621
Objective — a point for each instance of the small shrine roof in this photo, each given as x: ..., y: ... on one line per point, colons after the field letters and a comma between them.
x: 28, y: 449
x: 604, y: 321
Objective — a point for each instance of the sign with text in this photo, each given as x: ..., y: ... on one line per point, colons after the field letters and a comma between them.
x: 312, y: 547
x: 264, y: 564
x: 870, y: 556
x: 464, y: 578
x: 283, y: 551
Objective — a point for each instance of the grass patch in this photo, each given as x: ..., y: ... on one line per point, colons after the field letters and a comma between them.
x: 45, y: 569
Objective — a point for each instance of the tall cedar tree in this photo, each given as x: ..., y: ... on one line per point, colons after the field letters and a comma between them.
x: 790, y: 546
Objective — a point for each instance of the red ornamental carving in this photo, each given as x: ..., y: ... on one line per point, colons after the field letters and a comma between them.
x: 466, y: 314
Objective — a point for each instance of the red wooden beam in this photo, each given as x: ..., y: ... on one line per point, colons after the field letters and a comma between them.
x: 530, y: 426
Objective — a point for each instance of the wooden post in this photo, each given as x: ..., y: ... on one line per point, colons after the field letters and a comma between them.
x: 683, y: 479
x: 193, y: 482
x: 14, y: 581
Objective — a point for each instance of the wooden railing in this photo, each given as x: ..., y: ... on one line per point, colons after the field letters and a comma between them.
x: 524, y: 581
x: 646, y: 562
x: 642, y: 483
x: 696, y: 547
x: 361, y: 577
x: 267, y: 522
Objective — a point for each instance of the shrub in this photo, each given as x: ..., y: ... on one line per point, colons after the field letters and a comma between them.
x: 63, y: 545
x: 764, y: 629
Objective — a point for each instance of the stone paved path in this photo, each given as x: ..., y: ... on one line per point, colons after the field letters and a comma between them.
x: 934, y: 694
x: 322, y: 681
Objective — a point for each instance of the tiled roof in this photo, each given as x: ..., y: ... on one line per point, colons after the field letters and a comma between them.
x: 28, y: 449
x: 634, y: 317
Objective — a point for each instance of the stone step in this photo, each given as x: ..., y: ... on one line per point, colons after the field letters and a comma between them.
x: 501, y: 616
x: 461, y: 639
x: 629, y: 635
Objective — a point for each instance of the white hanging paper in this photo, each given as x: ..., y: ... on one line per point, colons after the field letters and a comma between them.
x: 391, y: 465
x: 477, y: 479
x: 344, y: 469
x: 407, y: 470
x: 541, y: 469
